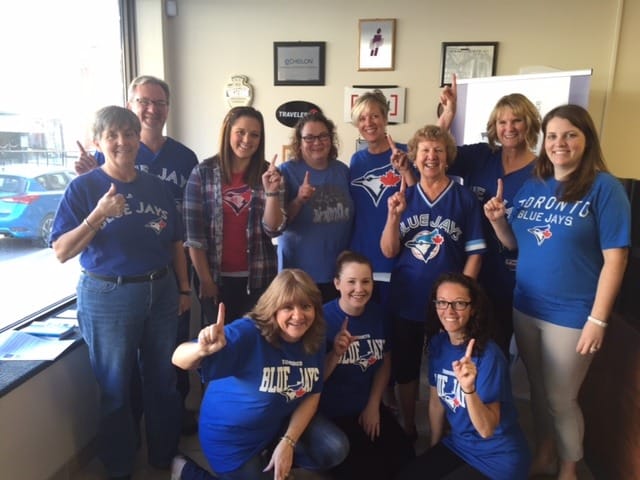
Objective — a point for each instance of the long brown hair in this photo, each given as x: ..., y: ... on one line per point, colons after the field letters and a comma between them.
x: 580, y: 181
x: 257, y: 165
x: 290, y: 286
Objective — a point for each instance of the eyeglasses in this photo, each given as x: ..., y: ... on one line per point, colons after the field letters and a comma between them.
x: 323, y: 137
x: 457, y: 305
x: 146, y: 102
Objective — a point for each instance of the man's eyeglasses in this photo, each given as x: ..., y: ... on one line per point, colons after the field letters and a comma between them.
x: 146, y: 102
x: 457, y: 305
x: 323, y: 137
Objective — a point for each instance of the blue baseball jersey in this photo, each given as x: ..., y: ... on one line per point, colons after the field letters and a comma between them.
x: 139, y: 241
x: 480, y: 168
x: 254, y: 388
x: 561, y: 243
x: 347, y: 390
x: 372, y: 181
x: 172, y: 164
x: 322, y: 229
x: 435, y: 237
x: 504, y: 455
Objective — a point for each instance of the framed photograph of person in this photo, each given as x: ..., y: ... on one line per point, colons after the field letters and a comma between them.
x: 298, y: 63
x: 468, y: 60
x: 376, y: 43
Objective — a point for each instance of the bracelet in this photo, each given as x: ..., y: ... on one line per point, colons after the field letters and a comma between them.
x: 468, y: 393
x: 272, y: 194
x: 289, y: 440
x: 86, y: 222
x: 600, y: 323
x: 185, y: 292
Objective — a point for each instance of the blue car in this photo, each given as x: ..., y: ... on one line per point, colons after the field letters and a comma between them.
x: 29, y: 197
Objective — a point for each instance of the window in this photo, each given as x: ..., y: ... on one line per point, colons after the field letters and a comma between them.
x: 62, y: 61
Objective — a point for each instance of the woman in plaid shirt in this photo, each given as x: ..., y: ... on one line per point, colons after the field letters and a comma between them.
x: 232, y: 209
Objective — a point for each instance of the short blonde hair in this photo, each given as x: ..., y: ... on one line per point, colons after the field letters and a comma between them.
x: 368, y: 99
x: 435, y: 134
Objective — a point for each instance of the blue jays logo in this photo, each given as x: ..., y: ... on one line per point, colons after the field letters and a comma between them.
x: 377, y: 181
x: 366, y: 361
x: 542, y: 233
x: 451, y: 398
x: 426, y: 244
x: 294, y: 391
x: 157, y: 225
x: 237, y: 198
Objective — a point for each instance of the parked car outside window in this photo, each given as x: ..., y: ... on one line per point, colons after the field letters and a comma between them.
x: 29, y: 197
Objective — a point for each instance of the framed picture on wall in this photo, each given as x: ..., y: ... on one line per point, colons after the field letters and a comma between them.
x: 468, y: 60
x: 298, y: 63
x: 376, y: 43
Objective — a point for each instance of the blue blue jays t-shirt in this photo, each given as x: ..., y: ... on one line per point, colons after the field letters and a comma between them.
x: 139, y: 241
x: 347, y: 390
x: 322, y: 229
x: 504, y: 455
x: 480, y: 168
x: 435, y: 237
x: 372, y: 181
x: 561, y: 245
x: 172, y: 164
x: 254, y: 388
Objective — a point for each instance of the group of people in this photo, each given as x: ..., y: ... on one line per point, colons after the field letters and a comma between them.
x: 301, y: 341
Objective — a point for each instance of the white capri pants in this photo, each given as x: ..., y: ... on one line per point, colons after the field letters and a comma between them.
x: 556, y: 372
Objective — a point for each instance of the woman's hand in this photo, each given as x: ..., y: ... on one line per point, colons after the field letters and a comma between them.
x: 281, y: 460
x: 211, y: 339
x: 111, y: 204
x: 465, y: 370
x: 85, y: 162
x: 397, y: 202
x: 495, y: 208
x: 369, y: 420
x: 591, y: 339
x: 306, y: 190
x: 208, y: 290
x: 342, y: 340
x: 399, y: 159
x: 272, y: 180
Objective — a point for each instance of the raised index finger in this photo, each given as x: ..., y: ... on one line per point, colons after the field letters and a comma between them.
x: 499, y: 190
x: 82, y: 150
x: 392, y: 144
x: 272, y: 165
x: 469, y: 351
x: 454, y: 84
x: 306, y: 178
x: 345, y: 324
x: 403, y: 186
x: 221, y: 314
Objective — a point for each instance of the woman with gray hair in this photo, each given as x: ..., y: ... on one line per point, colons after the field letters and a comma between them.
x: 124, y: 225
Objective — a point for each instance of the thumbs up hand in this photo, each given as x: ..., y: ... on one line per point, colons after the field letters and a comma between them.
x: 112, y: 203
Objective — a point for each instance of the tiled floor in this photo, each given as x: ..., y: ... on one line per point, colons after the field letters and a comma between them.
x: 190, y: 445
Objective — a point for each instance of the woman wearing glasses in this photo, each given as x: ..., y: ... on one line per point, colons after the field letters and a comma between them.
x: 470, y: 388
x: 432, y: 228
x: 319, y: 207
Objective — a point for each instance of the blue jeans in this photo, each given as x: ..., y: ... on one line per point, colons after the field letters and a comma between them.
x: 122, y: 324
x: 321, y: 447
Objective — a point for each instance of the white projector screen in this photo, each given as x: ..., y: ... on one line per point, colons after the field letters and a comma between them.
x: 478, y: 96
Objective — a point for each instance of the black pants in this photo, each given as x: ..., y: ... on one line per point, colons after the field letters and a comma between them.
x: 440, y: 462
x: 377, y: 460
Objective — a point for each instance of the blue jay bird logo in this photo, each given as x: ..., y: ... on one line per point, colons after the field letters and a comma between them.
x: 377, y: 181
x: 157, y: 225
x: 541, y: 232
x: 237, y: 198
x: 294, y: 391
x: 426, y: 244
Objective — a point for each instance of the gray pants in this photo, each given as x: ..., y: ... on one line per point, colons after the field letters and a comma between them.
x: 555, y: 374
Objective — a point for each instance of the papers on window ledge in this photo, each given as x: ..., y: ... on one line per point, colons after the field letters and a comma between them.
x: 39, y: 340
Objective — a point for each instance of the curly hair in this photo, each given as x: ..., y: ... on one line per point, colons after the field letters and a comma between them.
x: 479, y: 326
x: 313, y: 116
x: 291, y: 286
x: 521, y: 107
x: 432, y: 133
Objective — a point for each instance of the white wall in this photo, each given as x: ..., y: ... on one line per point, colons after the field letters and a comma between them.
x: 47, y: 420
x: 210, y: 40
